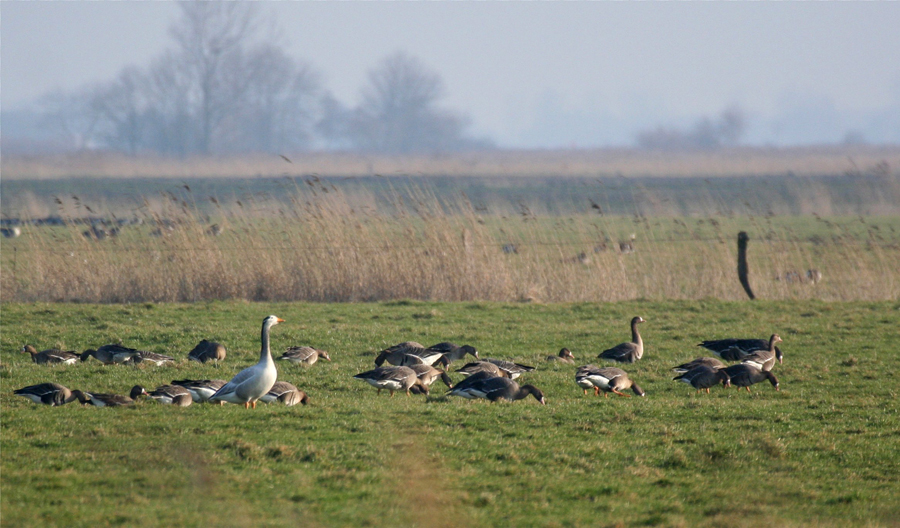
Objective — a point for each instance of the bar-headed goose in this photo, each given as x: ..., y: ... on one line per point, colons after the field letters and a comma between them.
x: 304, y: 355
x: 606, y: 379
x: 52, y: 394
x: 252, y: 383
x: 704, y: 377
x: 51, y: 356
x: 697, y: 362
x: 495, y: 389
x: 393, y: 379
x: 627, y: 352
x: 285, y: 393
x: 738, y: 349
x: 201, y: 390
x: 565, y: 356
x: 744, y: 375
x: 207, y: 351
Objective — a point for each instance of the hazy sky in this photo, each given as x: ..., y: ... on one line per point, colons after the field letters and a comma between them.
x: 534, y: 73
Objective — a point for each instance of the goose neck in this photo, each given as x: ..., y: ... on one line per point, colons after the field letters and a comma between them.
x: 265, y: 354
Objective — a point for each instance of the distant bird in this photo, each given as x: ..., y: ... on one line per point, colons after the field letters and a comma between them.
x: 737, y: 349
x: 813, y: 276
x: 52, y: 394
x: 10, y: 232
x: 304, y: 355
x: 201, y: 390
x: 214, y: 230
x: 704, y: 377
x: 512, y: 370
x: 700, y: 361
x: 285, y: 393
x: 764, y: 359
x: 250, y: 384
x: 627, y: 246
x: 606, y: 379
x: 165, y: 393
x: 111, y: 354
x: 408, y: 353
x: 393, y: 379
x: 627, y: 352
x: 428, y: 374
x: 107, y: 400
x: 207, y: 351
x: 744, y: 375
x: 470, y: 369
x: 285, y: 158
x: 495, y: 389
x: 151, y: 357
x: 51, y: 356
x: 453, y: 352
x: 564, y: 356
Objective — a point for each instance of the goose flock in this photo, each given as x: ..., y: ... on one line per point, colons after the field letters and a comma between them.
x: 411, y: 368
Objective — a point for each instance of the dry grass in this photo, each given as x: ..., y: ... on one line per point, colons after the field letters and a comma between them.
x: 333, y: 247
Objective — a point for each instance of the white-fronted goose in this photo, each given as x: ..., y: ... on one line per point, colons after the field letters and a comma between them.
x: 408, y: 353
x: 165, y: 393
x: 428, y: 375
x: 764, y: 359
x: 737, y: 349
x: 182, y: 400
x: 453, y: 352
x: 513, y: 370
x: 110, y: 354
x: 285, y: 393
x: 201, y: 390
x: 744, y: 375
x: 470, y: 369
x: 304, y: 355
x: 51, y: 356
x: 207, y: 351
x: 704, y: 377
x: 565, y: 356
x: 627, y: 352
x: 52, y: 394
x: 495, y: 389
x: 98, y: 399
x: 151, y: 357
x: 393, y: 379
x: 253, y: 382
x: 606, y: 379
x: 697, y: 362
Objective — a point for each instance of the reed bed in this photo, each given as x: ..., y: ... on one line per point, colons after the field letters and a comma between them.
x: 318, y: 243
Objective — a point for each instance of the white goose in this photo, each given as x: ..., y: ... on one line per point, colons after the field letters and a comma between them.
x: 253, y: 382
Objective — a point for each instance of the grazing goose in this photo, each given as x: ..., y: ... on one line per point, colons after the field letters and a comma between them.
x: 52, y: 394
x: 151, y: 357
x: 304, y: 355
x: 607, y: 379
x: 495, y: 389
x: 744, y: 375
x: 201, y: 390
x: 565, y: 356
x: 764, y: 359
x: 393, y: 379
x: 207, y: 351
x: 51, y: 356
x: 253, y: 382
x: 627, y: 352
x: 513, y: 370
x: 704, y: 377
x: 453, y: 352
x: 700, y: 361
x: 470, y: 369
x: 110, y: 354
x: 737, y: 349
x: 182, y: 400
x: 285, y: 393
x: 427, y: 374
x: 108, y: 400
x: 165, y: 393
x: 408, y: 353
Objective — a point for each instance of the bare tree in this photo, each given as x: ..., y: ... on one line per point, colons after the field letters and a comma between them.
x: 705, y: 134
x: 71, y: 115
x: 120, y: 106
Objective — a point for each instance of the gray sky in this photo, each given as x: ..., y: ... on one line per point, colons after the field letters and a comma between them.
x: 535, y: 73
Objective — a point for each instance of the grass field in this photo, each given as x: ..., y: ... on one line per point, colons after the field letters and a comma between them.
x: 823, y: 451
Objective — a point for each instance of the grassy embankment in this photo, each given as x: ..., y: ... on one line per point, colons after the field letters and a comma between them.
x: 825, y: 450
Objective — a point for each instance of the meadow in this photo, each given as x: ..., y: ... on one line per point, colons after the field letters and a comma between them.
x: 822, y: 451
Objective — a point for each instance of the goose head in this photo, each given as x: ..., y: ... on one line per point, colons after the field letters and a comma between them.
x: 566, y: 353
x: 637, y: 320
x: 468, y: 349
x: 271, y: 321
x: 724, y: 377
x: 324, y: 355
x: 776, y: 339
x: 772, y: 379
x: 637, y: 390
x: 136, y: 391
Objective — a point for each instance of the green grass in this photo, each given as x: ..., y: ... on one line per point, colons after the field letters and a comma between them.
x: 825, y: 450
